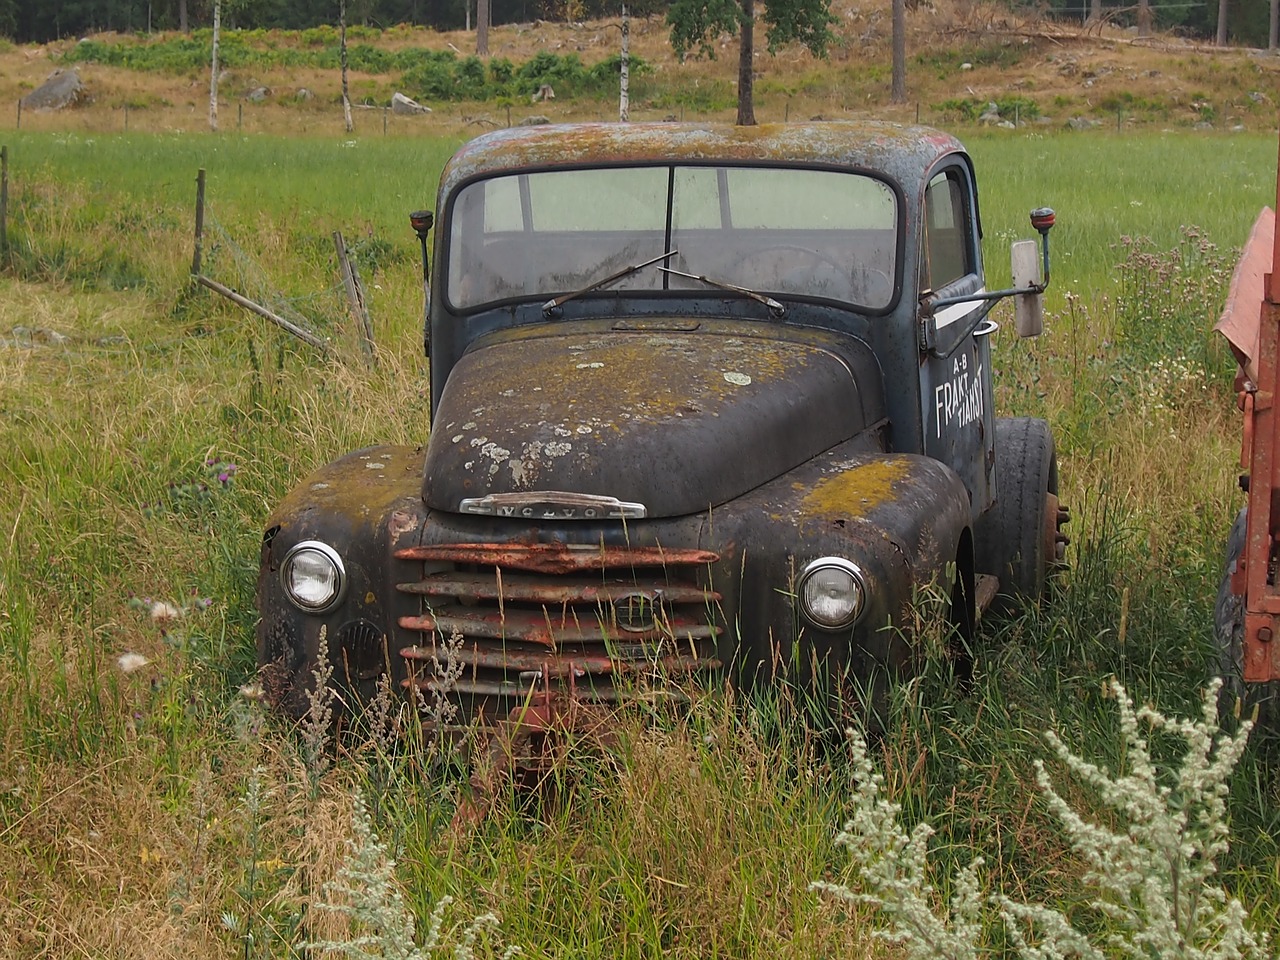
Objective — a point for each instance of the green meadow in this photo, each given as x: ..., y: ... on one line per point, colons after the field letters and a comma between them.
x: 158, y: 811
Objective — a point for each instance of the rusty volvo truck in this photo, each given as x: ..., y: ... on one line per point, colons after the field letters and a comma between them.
x: 706, y: 402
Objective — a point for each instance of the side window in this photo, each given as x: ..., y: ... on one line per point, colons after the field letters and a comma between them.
x: 946, y: 256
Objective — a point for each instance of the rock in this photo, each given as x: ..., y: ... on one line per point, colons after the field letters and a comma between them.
x: 63, y: 88
x: 966, y: 66
x: 1081, y: 123
x: 1007, y: 125
x: 990, y: 115
x: 1202, y: 125
x: 403, y: 106
x: 544, y: 94
x: 536, y: 120
x: 1238, y: 128
x: 258, y: 94
x: 1257, y: 96
x: 304, y: 95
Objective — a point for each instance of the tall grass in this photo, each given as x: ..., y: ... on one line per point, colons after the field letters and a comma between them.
x: 157, y: 812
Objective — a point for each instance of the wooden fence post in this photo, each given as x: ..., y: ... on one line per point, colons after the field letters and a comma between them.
x: 4, y: 200
x: 355, y: 299
x: 19, y: 113
x: 195, y: 259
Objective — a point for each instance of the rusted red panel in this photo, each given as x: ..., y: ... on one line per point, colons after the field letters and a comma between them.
x: 522, y: 588
x: 536, y: 626
x: 557, y: 558
x: 1240, y: 320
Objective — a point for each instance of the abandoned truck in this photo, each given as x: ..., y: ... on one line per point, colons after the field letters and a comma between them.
x: 706, y: 402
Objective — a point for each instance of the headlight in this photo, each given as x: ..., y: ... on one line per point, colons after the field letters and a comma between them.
x: 313, y: 576
x: 832, y: 593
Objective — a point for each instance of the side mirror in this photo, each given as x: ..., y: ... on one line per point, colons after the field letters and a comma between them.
x: 421, y: 221
x: 1028, y: 303
x: 1030, y: 284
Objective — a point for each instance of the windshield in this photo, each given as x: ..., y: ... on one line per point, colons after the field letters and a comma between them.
x: 817, y: 233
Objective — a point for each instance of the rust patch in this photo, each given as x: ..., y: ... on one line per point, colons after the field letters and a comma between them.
x: 856, y: 491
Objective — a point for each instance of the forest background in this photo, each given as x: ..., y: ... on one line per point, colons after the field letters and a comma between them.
x: 27, y: 22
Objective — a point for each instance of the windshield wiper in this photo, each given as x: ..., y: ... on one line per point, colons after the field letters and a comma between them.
x: 776, y: 309
x: 612, y: 278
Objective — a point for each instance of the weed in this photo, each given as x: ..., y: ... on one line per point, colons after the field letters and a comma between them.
x: 1153, y: 876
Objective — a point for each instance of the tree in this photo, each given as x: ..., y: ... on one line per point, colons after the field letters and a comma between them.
x: 482, y: 28
x: 697, y: 23
x: 213, y: 67
x: 342, y: 57
x: 1221, y: 39
x: 899, y: 91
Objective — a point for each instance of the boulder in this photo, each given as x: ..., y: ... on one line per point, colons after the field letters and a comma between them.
x: 258, y: 94
x: 63, y: 88
x: 534, y: 121
x: 403, y: 106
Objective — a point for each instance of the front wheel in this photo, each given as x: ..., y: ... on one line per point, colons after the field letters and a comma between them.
x: 1018, y: 539
x: 1228, y: 632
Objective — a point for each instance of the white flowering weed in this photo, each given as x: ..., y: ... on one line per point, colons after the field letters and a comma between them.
x: 1154, y: 890
x: 366, y: 892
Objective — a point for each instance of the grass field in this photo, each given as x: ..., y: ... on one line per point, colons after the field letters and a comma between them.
x: 158, y: 812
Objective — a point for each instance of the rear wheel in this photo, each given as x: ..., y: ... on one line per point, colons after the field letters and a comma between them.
x: 1018, y: 539
x: 1228, y: 631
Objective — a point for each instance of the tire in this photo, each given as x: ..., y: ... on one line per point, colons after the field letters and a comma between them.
x: 1228, y: 633
x: 1017, y: 539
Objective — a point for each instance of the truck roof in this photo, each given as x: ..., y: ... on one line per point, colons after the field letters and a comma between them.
x: 901, y: 152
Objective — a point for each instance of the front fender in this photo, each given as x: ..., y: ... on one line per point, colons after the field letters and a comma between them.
x: 364, y: 505
x: 901, y: 518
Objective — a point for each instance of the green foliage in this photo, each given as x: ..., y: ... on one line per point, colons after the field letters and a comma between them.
x: 971, y: 108
x: 425, y: 74
x: 444, y: 76
x: 697, y: 23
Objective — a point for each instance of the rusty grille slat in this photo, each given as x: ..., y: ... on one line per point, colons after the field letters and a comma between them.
x: 558, y: 558
x: 535, y: 626
x: 568, y: 665
x: 523, y: 587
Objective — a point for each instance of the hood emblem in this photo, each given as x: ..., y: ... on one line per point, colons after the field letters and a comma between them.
x: 553, y: 505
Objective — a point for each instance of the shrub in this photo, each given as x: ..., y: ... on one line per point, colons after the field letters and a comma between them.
x: 1153, y: 875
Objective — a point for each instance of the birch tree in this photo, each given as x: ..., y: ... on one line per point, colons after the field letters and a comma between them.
x: 624, y: 70
x: 213, y: 67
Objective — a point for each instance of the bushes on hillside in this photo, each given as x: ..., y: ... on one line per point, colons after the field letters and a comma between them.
x: 425, y: 74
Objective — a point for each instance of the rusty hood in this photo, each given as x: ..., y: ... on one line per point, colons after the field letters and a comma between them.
x: 678, y: 421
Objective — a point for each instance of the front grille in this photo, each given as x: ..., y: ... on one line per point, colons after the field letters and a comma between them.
x: 521, y: 620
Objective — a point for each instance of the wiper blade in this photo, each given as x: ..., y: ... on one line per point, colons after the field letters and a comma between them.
x: 775, y: 308
x: 612, y: 278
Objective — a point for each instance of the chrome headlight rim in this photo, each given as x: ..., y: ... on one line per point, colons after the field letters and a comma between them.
x: 859, y: 582
x: 332, y: 557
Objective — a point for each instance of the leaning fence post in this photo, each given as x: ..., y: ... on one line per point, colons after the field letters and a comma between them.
x: 19, y: 126
x: 195, y: 259
x: 355, y: 299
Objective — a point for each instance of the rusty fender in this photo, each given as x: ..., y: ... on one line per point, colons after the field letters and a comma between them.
x: 901, y: 518
x: 365, y: 505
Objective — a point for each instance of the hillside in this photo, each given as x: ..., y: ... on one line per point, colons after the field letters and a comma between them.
x: 960, y: 57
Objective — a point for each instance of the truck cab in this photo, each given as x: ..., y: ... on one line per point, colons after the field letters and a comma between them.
x: 707, y: 402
